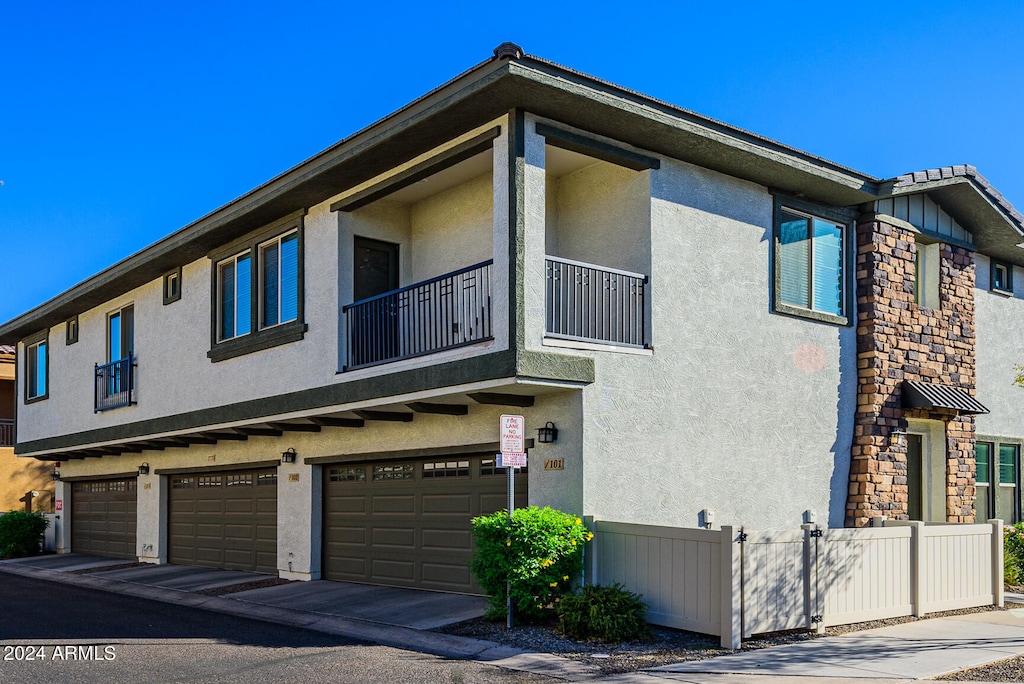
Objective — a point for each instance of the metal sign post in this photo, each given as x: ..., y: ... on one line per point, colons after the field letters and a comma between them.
x: 512, y: 440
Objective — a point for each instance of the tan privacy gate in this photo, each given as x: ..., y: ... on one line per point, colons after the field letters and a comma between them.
x: 224, y: 520
x: 103, y: 517
x: 408, y: 523
x: 737, y: 582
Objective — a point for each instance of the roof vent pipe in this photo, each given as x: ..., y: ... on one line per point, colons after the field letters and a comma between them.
x: 510, y: 50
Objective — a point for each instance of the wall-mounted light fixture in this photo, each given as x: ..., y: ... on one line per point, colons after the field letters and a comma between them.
x: 55, y: 476
x: 288, y: 456
x: 897, y: 437
x: 144, y: 469
x: 547, y: 434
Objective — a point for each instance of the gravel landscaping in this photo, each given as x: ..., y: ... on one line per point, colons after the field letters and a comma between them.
x: 665, y: 645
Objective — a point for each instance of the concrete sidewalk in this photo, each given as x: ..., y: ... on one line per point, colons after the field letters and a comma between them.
x: 401, y: 618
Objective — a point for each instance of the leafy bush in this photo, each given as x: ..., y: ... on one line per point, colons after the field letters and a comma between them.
x: 540, y: 553
x: 21, y: 534
x: 606, y: 613
x: 1013, y: 554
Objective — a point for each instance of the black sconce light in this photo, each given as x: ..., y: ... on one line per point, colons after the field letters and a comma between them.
x: 897, y: 437
x: 547, y: 434
x: 144, y: 469
x: 55, y: 476
x: 288, y: 456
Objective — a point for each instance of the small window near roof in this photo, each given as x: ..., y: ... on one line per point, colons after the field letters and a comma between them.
x: 71, y: 330
x: 37, y: 375
x: 172, y: 286
x: 1002, y: 277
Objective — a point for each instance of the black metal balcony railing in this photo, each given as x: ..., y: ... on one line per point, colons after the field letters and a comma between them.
x: 591, y: 303
x: 6, y: 432
x: 115, y: 384
x: 442, y: 313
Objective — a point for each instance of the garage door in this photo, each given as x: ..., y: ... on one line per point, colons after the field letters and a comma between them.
x: 408, y: 523
x: 224, y: 520
x: 103, y: 517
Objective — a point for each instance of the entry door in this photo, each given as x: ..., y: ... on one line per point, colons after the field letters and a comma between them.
x: 375, y: 325
x: 375, y: 270
x: 915, y: 477
x: 120, y: 346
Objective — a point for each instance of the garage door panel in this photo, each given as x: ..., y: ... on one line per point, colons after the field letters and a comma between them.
x: 394, y: 504
x: 447, y: 503
x: 239, y: 506
x: 441, y: 540
x: 444, y: 574
x: 216, y: 521
x: 347, y: 504
x: 404, y: 571
x: 402, y: 538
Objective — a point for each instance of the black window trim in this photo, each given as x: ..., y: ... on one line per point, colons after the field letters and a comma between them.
x: 258, y: 338
x: 173, y: 275
x: 995, y: 263
x: 839, y: 215
x: 71, y: 331
x: 28, y: 342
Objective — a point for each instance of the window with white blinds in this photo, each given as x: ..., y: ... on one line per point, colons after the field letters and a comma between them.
x: 809, y: 264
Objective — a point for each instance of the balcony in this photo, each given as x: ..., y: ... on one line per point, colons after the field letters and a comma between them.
x: 6, y: 432
x: 588, y: 303
x: 446, y: 312
x: 115, y: 385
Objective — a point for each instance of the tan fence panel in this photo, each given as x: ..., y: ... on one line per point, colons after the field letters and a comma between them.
x: 678, y: 571
x: 862, y: 574
x: 957, y: 566
x: 774, y: 582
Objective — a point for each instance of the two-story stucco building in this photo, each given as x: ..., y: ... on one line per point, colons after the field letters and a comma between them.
x: 308, y: 380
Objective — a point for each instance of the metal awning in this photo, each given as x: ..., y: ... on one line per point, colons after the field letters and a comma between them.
x: 924, y: 395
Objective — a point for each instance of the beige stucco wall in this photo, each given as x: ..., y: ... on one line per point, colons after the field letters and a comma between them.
x: 452, y: 229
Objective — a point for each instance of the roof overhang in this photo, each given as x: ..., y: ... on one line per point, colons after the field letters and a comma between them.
x: 928, y: 396
x: 998, y: 229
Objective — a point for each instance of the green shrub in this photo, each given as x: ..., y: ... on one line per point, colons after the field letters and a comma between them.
x: 21, y: 534
x: 540, y: 553
x: 1013, y: 554
x: 606, y: 613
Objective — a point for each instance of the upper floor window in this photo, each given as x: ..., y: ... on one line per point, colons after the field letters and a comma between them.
x: 926, y: 273
x: 36, y: 368
x: 1002, y: 277
x: 810, y: 265
x: 258, y: 291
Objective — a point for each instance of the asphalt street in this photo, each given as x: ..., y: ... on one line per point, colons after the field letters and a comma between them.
x: 53, y: 632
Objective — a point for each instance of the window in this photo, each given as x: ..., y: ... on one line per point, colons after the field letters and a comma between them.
x: 1002, y: 277
x: 996, y: 481
x: 258, y: 291
x: 121, y: 334
x: 279, y: 280
x: 36, y: 368
x: 810, y: 265
x: 234, y: 296
x: 983, y: 461
x: 172, y: 286
x: 71, y: 330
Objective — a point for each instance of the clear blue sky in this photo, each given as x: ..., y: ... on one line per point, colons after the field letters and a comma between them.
x: 122, y: 122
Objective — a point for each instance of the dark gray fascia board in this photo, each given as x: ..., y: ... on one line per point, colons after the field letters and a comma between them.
x: 494, y: 366
x: 481, y: 94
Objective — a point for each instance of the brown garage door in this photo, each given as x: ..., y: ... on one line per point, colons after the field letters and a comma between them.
x: 408, y: 523
x: 103, y: 517
x: 224, y: 520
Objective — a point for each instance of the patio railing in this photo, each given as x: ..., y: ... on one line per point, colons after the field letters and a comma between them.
x: 591, y: 303
x: 115, y: 384
x: 446, y: 312
x: 6, y: 432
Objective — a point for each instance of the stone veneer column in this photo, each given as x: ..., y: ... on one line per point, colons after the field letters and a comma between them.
x: 899, y: 340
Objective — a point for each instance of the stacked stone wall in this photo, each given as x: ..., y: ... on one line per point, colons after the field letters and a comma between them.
x: 899, y: 340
